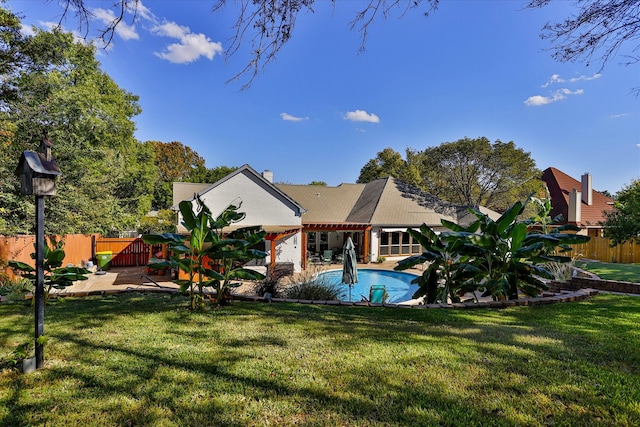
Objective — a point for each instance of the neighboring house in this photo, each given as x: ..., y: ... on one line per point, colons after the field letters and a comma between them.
x: 304, y: 221
x: 577, y: 201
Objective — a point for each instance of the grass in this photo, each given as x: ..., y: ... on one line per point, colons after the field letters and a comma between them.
x: 612, y: 271
x: 143, y: 360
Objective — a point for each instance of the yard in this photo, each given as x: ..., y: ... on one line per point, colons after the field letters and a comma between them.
x: 612, y: 271
x: 145, y: 360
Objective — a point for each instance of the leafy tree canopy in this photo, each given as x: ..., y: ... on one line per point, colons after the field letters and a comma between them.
x: 470, y: 172
x: 387, y: 163
x: 176, y: 162
x: 211, y: 175
x: 58, y: 90
x: 623, y: 222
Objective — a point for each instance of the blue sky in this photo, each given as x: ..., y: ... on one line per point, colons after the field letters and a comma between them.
x: 322, y: 110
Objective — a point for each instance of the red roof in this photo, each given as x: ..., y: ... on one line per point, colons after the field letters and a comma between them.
x: 561, y: 185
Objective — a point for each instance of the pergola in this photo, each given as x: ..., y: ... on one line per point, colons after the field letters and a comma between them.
x: 276, y: 233
x: 342, y: 226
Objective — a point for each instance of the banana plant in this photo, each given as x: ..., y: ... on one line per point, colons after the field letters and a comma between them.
x: 55, y: 276
x: 510, y: 256
x: 208, y: 256
x: 499, y: 258
x: 446, y: 264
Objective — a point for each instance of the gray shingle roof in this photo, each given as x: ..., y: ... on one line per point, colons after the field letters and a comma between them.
x: 185, y: 191
x: 324, y: 204
x: 383, y: 202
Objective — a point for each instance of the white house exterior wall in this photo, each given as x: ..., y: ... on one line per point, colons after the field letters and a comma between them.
x: 260, y: 204
x: 288, y: 250
x: 263, y: 206
x: 375, y: 242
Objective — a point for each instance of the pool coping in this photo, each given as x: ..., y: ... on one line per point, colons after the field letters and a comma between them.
x: 546, y: 298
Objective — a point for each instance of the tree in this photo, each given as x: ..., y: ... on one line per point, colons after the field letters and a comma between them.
x: 210, y: 175
x: 596, y: 31
x: 174, y: 162
x: 475, y: 172
x: 163, y: 222
x: 59, y: 91
x: 468, y: 172
x: 623, y: 222
x: 319, y: 183
x: 387, y: 163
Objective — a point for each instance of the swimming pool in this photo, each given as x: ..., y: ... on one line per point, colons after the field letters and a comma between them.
x: 398, y: 284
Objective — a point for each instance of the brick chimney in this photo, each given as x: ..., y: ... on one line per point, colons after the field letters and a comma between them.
x: 587, y: 190
x: 268, y: 175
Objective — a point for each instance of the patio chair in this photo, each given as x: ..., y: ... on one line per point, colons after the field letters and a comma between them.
x: 327, y: 256
x: 377, y: 294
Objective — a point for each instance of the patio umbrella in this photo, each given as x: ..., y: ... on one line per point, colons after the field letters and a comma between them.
x: 349, y: 264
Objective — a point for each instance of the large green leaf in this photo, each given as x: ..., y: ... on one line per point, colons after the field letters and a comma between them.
x: 165, y: 238
x: 424, y: 236
x: 188, y: 218
x: 247, y: 274
x: 54, y: 258
x: 507, y: 218
x: 21, y: 266
x: 517, y: 234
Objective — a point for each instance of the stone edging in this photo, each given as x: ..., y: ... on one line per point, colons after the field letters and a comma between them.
x: 547, y: 298
x: 595, y: 283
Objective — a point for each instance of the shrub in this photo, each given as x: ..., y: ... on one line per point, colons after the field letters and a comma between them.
x: 381, y: 259
x: 317, y: 290
x: 15, y: 290
x: 270, y: 284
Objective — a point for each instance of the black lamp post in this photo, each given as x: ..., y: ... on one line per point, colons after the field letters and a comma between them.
x: 38, y: 172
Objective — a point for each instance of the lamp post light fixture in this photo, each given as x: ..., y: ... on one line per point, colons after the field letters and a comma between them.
x: 38, y: 173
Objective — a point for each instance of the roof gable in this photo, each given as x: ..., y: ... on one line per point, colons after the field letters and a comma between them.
x: 560, y: 185
x: 258, y: 179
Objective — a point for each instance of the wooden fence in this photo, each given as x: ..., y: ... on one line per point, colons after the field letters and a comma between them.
x: 599, y: 248
x: 126, y: 252
x: 78, y: 248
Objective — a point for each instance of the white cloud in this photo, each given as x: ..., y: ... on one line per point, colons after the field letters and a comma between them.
x: 638, y: 145
x: 618, y: 116
x: 27, y: 30
x: 145, y: 13
x: 171, y: 29
x: 289, y: 118
x: 559, y: 95
x: 555, y: 78
x: 191, y: 46
x: 123, y: 30
x: 362, y: 116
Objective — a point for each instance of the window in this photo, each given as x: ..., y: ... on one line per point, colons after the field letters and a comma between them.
x: 398, y: 243
x: 384, y: 244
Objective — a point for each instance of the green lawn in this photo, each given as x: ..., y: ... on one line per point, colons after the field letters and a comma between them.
x: 612, y: 271
x: 143, y: 360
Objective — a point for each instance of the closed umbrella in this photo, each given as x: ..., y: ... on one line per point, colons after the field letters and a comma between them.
x: 349, y: 264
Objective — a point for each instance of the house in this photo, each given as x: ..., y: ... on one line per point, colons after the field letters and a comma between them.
x: 262, y: 203
x: 304, y: 221
x: 577, y: 201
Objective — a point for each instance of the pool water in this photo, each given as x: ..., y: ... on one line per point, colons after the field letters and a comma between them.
x: 397, y: 284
